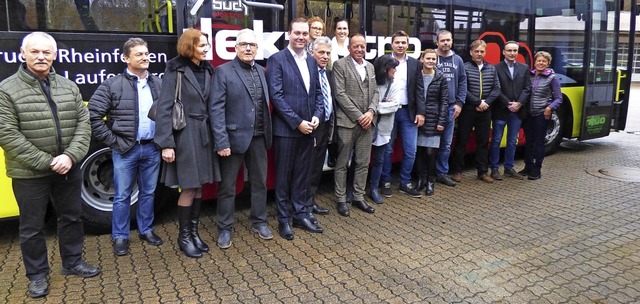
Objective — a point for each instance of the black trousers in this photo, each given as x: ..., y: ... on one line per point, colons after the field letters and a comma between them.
x: 318, y: 154
x: 292, y: 158
x: 468, y: 121
x: 255, y: 159
x: 33, y: 196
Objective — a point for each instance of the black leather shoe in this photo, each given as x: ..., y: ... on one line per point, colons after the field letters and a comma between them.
x: 284, y: 230
x: 151, y: 238
x: 307, y: 225
x: 343, y: 209
x: 121, y: 247
x: 82, y: 270
x: 312, y: 218
x: 362, y: 205
x: 534, y: 176
x: 319, y: 210
x: 38, y: 288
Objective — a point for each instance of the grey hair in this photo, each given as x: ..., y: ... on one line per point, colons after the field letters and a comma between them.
x: 247, y: 32
x: 28, y: 38
x: 322, y: 40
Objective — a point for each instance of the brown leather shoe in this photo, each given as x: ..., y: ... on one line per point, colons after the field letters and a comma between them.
x: 486, y: 178
x: 495, y: 174
x: 456, y: 177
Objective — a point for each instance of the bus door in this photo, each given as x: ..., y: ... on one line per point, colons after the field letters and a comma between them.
x: 600, y: 62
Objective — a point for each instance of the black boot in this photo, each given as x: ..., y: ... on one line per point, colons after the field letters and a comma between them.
x: 195, y: 221
x: 185, y: 241
x: 431, y: 185
x: 422, y: 182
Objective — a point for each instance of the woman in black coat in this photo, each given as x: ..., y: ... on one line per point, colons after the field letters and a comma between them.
x: 435, y: 88
x: 187, y: 153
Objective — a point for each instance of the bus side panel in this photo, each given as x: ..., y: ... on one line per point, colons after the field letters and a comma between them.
x: 575, y: 95
x: 8, y: 206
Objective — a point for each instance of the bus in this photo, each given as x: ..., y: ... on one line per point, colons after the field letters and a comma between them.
x: 583, y: 36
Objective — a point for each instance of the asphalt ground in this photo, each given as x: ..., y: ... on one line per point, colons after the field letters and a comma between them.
x: 570, y: 237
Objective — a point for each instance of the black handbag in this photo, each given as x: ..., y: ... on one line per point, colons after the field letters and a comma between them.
x: 178, y: 120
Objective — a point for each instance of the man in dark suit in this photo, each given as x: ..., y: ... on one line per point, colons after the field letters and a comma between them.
x: 509, y: 110
x: 407, y: 119
x: 241, y: 124
x: 321, y: 51
x: 296, y: 96
x: 357, y: 99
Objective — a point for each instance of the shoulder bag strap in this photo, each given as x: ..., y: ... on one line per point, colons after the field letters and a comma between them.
x: 178, y: 95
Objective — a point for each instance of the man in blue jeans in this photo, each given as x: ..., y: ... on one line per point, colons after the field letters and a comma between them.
x: 408, y: 118
x: 125, y: 100
x: 515, y: 86
x: 452, y: 68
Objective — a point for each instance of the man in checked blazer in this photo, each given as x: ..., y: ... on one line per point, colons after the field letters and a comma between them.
x: 297, y: 101
x: 357, y: 101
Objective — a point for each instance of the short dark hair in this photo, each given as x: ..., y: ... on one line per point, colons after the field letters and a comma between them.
x: 442, y: 32
x: 383, y: 65
x: 399, y: 34
x: 297, y: 20
x: 131, y: 43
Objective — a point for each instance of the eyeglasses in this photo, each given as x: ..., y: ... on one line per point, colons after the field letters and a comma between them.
x: 315, y: 28
x: 245, y: 45
x: 206, y: 47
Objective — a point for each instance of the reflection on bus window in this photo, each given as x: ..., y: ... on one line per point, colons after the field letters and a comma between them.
x: 86, y: 15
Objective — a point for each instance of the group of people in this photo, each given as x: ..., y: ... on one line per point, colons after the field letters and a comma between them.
x: 312, y: 95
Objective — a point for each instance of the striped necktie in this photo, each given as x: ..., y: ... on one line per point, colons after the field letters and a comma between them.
x: 324, y: 85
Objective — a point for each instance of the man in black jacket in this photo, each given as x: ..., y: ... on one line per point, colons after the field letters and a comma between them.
x: 515, y: 86
x: 483, y: 88
x: 125, y: 100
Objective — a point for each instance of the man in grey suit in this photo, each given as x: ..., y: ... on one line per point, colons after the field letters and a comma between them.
x: 241, y: 125
x: 357, y: 100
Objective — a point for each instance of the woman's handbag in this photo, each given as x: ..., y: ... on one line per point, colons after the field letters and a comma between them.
x: 178, y: 120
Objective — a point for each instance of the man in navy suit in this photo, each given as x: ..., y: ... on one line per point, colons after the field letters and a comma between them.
x: 241, y: 124
x: 407, y: 119
x: 508, y: 110
x: 297, y: 101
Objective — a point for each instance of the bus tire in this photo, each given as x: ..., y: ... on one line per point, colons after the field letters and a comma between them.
x: 555, y: 131
x: 98, y: 192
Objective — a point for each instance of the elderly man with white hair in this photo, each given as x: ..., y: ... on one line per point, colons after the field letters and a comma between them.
x: 45, y: 134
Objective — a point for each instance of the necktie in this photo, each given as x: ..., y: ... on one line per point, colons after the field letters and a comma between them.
x: 324, y: 85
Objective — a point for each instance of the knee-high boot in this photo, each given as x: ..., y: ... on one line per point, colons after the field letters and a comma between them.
x: 185, y: 241
x: 421, y: 168
x: 195, y: 221
x: 430, y: 171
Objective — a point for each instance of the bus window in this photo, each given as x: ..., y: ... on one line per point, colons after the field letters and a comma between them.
x: 330, y: 13
x: 86, y: 15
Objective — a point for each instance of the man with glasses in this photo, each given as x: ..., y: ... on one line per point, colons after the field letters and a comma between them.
x: 125, y: 100
x: 508, y: 110
x: 241, y: 125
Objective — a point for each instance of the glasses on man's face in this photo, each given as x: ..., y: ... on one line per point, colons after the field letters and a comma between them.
x: 247, y: 45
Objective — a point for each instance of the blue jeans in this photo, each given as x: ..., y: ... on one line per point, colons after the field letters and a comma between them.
x: 377, y: 164
x: 513, y: 124
x: 403, y: 123
x: 142, y: 162
x: 442, y: 162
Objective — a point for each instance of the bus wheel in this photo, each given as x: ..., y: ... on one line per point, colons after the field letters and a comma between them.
x: 98, y: 192
x: 553, y: 138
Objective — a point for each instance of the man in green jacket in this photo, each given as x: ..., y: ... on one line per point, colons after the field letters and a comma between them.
x: 45, y: 134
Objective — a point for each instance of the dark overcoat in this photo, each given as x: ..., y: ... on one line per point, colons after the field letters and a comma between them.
x: 195, y: 163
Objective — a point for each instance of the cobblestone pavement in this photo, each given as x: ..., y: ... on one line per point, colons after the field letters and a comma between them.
x: 569, y: 237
